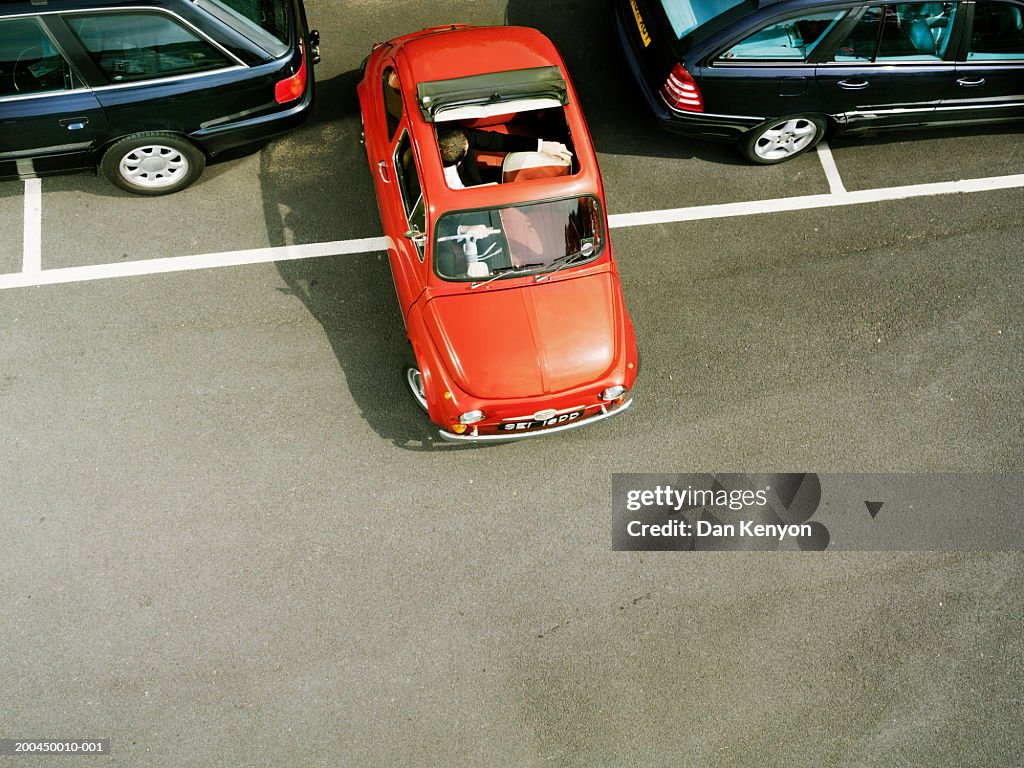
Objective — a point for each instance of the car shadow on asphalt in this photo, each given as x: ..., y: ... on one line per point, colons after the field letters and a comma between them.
x: 316, y: 187
x: 619, y: 119
x: 900, y: 135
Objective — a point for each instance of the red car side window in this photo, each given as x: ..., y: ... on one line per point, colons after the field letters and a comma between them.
x: 392, y: 101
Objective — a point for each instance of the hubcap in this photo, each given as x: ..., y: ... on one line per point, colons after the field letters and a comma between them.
x: 154, y: 165
x: 415, y: 381
x: 786, y: 138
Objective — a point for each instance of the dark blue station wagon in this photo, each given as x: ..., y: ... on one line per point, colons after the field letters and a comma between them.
x: 775, y: 76
x: 147, y: 92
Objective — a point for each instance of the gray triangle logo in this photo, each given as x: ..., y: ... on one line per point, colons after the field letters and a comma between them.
x: 873, y: 507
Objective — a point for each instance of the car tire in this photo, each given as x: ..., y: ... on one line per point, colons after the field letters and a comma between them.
x: 152, y: 163
x: 781, y: 138
x: 414, y: 381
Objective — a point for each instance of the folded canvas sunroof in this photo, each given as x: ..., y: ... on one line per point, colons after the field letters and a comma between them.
x: 482, y: 95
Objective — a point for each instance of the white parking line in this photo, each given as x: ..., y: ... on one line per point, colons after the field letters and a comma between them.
x: 828, y: 164
x: 32, y: 237
x: 806, y: 202
x: 616, y: 221
x: 189, y: 263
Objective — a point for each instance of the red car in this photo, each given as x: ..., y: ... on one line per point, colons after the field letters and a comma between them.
x: 493, y: 210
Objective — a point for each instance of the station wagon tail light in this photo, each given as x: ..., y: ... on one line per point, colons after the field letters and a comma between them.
x: 292, y: 87
x: 471, y: 417
x: 680, y: 91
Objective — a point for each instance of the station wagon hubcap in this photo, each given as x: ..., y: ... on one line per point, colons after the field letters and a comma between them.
x: 154, y: 165
x: 786, y: 138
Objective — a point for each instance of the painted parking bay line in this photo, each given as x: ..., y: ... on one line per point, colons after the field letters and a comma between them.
x: 783, y: 204
x: 615, y: 221
x: 32, y: 237
x: 828, y: 165
x: 190, y: 263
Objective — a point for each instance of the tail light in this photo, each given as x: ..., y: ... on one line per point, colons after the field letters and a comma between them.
x: 680, y: 91
x: 292, y: 87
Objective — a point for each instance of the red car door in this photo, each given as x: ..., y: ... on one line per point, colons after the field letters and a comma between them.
x: 397, y: 179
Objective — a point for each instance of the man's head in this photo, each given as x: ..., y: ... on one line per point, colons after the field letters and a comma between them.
x: 453, y: 145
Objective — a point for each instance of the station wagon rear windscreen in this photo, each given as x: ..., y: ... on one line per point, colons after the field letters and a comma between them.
x: 686, y: 15
x: 260, y: 16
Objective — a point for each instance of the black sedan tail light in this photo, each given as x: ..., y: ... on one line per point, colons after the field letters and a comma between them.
x: 680, y: 91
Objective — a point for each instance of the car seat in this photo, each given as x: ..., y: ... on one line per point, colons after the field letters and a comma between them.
x: 920, y: 36
x: 1003, y: 23
x: 536, y: 234
x: 520, y: 166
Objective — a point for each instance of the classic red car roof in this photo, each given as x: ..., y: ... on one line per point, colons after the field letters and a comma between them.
x: 453, y: 52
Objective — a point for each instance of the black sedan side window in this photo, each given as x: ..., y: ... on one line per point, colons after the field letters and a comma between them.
x: 902, y: 32
x: 997, y: 33
x: 789, y: 40
x: 141, y: 45
x: 28, y: 61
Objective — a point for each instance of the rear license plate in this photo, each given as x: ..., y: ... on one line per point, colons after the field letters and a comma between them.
x: 646, y: 38
x: 554, y: 421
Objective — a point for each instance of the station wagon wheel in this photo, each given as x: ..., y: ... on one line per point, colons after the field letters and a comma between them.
x: 414, y: 380
x: 152, y: 163
x: 781, y: 138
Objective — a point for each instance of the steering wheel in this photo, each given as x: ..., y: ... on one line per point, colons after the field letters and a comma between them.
x: 44, y: 81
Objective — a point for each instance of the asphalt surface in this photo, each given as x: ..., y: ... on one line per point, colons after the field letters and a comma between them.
x: 230, y: 538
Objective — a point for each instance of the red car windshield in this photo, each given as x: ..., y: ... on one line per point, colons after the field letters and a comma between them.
x: 535, y: 237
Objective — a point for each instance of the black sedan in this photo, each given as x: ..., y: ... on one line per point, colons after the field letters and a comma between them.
x: 146, y: 93
x: 776, y: 76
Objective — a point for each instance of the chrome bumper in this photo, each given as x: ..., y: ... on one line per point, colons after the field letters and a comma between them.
x: 451, y: 437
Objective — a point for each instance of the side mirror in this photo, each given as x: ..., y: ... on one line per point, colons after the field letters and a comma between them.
x: 417, y: 237
x: 314, y: 44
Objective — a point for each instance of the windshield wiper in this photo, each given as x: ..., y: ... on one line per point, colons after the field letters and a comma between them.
x: 585, y: 251
x: 507, y: 272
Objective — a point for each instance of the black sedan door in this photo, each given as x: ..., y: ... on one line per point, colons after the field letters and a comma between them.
x: 154, y: 71
x: 49, y: 119
x: 770, y: 72
x: 892, y: 65
x: 990, y: 74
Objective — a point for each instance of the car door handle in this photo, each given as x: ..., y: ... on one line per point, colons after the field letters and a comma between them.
x: 852, y: 85
x: 382, y: 169
x: 968, y: 83
x: 75, y: 123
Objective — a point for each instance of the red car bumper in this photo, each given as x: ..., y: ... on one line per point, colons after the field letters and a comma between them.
x: 501, y: 433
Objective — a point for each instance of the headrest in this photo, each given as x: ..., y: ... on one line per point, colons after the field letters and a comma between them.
x: 921, y: 37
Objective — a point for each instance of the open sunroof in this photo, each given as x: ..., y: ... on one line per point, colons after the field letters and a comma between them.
x: 543, y: 84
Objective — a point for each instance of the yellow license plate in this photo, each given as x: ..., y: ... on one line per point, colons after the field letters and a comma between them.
x: 640, y: 24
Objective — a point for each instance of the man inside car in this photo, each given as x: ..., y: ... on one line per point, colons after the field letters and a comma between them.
x: 455, y: 145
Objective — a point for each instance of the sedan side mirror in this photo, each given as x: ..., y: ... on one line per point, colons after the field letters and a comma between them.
x: 314, y: 44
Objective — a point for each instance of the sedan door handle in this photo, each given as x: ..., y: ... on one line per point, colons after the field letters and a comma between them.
x: 75, y: 123
x: 968, y: 83
x: 382, y: 169
x: 852, y: 85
